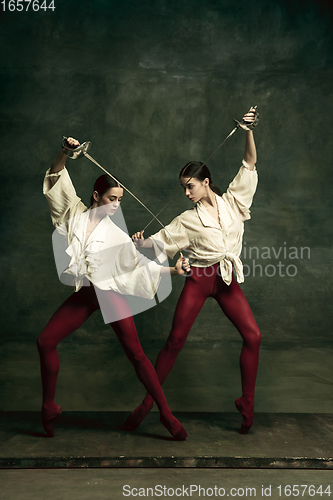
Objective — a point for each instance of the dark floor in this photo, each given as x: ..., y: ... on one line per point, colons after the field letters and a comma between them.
x: 95, y: 439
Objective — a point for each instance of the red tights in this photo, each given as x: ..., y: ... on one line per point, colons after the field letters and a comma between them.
x: 201, y: 284
x: 70, y: 316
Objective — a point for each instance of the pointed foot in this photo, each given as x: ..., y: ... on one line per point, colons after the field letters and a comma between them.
x: 136, y: 417
x: 247, y: 410
x: 175, y: 428
x: 48, y: 419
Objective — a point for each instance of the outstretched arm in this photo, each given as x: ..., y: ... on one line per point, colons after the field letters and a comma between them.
x: 140, y: 242
x: 250, y: 154
x: 182, y: 265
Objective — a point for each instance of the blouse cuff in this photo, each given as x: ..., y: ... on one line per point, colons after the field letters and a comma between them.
x: 51, y: 179
x: 247, y: 166
x: 48, y: 174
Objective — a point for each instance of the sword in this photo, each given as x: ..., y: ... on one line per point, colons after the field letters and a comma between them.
x: 244, y: 125
x: 82, y: 150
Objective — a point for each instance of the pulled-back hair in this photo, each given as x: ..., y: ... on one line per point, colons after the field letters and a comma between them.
x: 102, y: 184
x: 197, y: 170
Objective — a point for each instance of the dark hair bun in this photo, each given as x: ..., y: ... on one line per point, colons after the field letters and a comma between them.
x: 197, y: 170
x: 102, y: 184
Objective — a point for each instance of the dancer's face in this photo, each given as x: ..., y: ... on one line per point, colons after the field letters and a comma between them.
x: 110, y: 200
x: 195, y: 189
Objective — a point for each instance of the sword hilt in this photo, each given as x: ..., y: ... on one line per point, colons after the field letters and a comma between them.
x: 249, y: 125
x: 77, y: 152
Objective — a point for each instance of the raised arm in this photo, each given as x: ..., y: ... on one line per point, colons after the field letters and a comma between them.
x: 250, y: 154
x: 60, y: 160
x: 59, y: 190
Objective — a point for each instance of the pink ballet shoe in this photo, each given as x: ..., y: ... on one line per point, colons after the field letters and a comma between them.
x: 175, y: 428
x: 136, y: 417
x: 48, y: 418
x: 247, y: 410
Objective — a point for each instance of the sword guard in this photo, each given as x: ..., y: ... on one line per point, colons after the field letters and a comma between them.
x: 74, y: 153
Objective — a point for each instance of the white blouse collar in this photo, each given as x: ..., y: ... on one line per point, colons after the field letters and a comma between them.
x: 98, y: 233
x: 207, y: 219
x: 225, y: 216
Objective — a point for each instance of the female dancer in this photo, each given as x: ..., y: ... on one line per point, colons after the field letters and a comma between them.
x: 88, y: 230
x: 211, y: 233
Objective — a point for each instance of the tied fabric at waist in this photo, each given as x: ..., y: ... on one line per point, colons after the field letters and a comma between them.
x: 226, y: 264
x: 226, y: 260
x: 82, y: 264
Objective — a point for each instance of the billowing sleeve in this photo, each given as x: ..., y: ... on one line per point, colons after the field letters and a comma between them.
x: 61, y: 197
x: 241, y: 190
x: 170, y: 240
x: 123, y: 269
x: 136, y: 274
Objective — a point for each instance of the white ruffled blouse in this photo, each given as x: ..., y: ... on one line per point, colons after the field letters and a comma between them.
x: 107, y: 257
x: 207, y: 241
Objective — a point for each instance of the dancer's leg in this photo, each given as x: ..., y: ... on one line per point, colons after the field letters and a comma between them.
x: 128, y: 337
x: 70, y: 316
x: 188, y: 307
x: 190, y: 302
x: 235, y: 306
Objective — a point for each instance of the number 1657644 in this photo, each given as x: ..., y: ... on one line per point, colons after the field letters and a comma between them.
x: 26, y: 5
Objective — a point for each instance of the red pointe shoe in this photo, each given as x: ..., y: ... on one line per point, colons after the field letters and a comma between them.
x: 137, y: 416
x: 247, y: 410
x: 174, y: 427
x: 48, y: 418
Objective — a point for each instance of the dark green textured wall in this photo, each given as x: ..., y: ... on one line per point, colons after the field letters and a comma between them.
x: 154, y: 84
